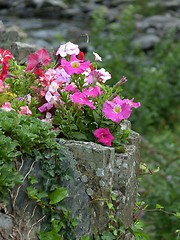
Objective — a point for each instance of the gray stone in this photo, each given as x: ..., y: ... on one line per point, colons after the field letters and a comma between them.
x: 146, y: 41
x: 21, y: 51
x: 6, y: 226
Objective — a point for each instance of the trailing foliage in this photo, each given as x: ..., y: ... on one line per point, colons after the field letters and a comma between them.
x: 22, y: 139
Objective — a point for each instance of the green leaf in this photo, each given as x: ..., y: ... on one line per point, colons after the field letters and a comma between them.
x: 78, y: 136
x: 108, y: 236
x: 110, y: 205
x: 177, y: 214
x: 57, y: 195
x: 158, y: 206
x: 51, y: 235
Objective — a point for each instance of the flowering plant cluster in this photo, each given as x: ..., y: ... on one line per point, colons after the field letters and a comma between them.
x: 70, y: 93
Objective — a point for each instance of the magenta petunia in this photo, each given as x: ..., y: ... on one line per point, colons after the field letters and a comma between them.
x: 71, y: 88
x: 104, y: 136
x: 118, y: 109
x: 93, y: 91
x: 82, y: 100
x: 74, y: 65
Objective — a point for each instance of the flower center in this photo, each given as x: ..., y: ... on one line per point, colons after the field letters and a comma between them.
x: 117, y: 109
x: 75, y: 64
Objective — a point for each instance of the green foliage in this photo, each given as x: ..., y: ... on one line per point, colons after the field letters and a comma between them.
x: 27, y: 138
x: 160, y: 190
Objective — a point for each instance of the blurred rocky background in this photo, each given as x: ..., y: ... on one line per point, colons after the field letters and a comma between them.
x: 45, y: 22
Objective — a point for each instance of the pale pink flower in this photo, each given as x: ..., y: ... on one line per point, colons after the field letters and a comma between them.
x: 25, y: 110
x: 93, y: 91
x: 97, y: 57
x: 118, y: 109
x: 105, y: 75
x: 74, y: 65
x: 7, y: 107
x: 49, y: 76
x: 53, y: 87
x: 52, y: 98
x: 62, y: 76
x: 104, y: 136
x: 81, y: 99
x: 48, y: 118
x: 93, y: 77
x: 68, y: 48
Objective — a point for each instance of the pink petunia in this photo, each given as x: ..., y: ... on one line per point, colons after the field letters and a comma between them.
x: 45, y: 107
x: 104, y: 75
x: 71, y: 88
x: 118, y: 109
x: 7, y: 107
x: 74, y: 65
x: 25, y: 110
x: 93, y: 77
x: 93, y: 91
x: 82, y: 100
x: 104, y: 136
x: 38, y: 59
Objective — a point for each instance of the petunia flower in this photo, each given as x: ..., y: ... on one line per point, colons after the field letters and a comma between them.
x: 104, y: 75
x: 38, y: 59
x: 93, y: 77
x: 104, y: 136
x: 74, y: 65
x: 71, y: 88
x: 5, y: 55
x: 62, y: 76
x: 97, y: 57
x: 118, y: 109
x: 25, y: 110
x: 45, y: 107
x: 7, y: 107
x: 81, y: 99
x: 53, y: 87
x: 93, y: 91
x: 68, y: 48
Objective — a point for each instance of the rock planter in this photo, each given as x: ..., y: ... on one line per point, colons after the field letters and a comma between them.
x: 96, y: 170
